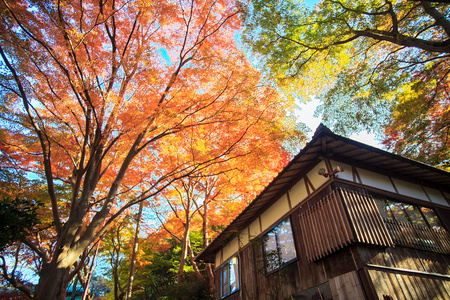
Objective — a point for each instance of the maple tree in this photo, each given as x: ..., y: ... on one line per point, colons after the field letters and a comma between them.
x: 95, y: 93
x: 424, y: 134
x: 193, y: 201
x: 362, y: 59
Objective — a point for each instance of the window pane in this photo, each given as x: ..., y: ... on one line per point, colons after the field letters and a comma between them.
x: 286, y: 241
x: 234, y: 275
x: 431, y: 218
x: 270, y: 251
x: 225, y: 282
x: 279, y: 247
x: 396, y: 209
x: 414, y: 214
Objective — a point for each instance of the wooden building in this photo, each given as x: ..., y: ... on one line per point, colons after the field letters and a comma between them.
x: 342, y: 220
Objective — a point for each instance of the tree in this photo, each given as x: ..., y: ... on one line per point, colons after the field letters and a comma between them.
x: 424, y: 134
x: 17, y: 217
x: 116, y: 251
x: 92, y: 94
x: 157, y: 278
x: 362, y: 59
x: 188, y: 201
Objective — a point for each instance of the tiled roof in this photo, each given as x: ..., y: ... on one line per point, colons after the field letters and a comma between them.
x: 327, y: 144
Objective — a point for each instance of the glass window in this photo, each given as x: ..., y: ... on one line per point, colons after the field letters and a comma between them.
x: 407, y: 213
x: 279, y: 247
x: 414, y: 214
x: 432, y: 218
x: 270, y: 251
x: 230, y: 277
x: 396, y: 210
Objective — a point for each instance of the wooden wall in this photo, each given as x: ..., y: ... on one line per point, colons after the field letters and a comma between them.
x: 394, y: 284
x: 356, y: 270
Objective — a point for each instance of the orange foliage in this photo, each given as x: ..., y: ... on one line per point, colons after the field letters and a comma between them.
x: 107, y: 98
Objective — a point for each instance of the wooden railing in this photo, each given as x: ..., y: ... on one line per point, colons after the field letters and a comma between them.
x: 366, y: 219
x: 325, y: 227
x: 420, y: 237
x: 339, y: 219
x: 343, y: 217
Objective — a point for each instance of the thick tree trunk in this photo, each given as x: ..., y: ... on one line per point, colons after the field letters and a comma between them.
x: 53, y: 282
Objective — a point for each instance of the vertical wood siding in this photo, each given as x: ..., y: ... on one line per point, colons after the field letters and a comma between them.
x: 325, y: 227
x: 340, y: 218
x: 366, y: 219
x: 401, y: 285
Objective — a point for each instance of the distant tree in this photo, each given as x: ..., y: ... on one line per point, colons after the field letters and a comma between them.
x: 372, y: 64
x: 99, y: 286
x: 17, y: 219
x: 116, y: 252
x: 419, y: 127
x: 188, y: 201
x: 157, y: 279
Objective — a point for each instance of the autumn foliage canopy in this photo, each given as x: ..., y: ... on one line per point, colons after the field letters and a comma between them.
x: 115, y: 100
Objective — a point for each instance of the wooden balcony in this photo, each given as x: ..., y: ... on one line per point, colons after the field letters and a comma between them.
x: 420, y: 237
x: 344, y: 217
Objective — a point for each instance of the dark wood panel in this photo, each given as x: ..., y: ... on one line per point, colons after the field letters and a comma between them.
x: 324, y: 227
x: 404, y: 285
x: 375, y: 255
x: 340, y: 262
x: 435, y: 262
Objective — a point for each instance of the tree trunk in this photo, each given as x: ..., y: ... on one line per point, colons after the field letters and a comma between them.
x: 135, y: 250
x: 184, y: 251
x: 86, y: 291
x: 53, y: 282
x: 74, y: 288
x: 194, y: 264
x: 209, y: 270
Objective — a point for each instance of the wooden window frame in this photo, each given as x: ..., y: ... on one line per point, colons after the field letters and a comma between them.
x: 228, y: 267
x: 280, y: 262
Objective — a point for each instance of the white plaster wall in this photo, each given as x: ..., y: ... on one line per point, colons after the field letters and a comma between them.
x: 298, y: 193
x: 316, y: 179
x: 376, y: 180
x: 346, y: 174
x: 410, y: 189
x: 274, y: 212
x: 255, y: 229
x: 218, y: 261
x: 436, y: 196
x: 230, y: 249
x: 243, y: 237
